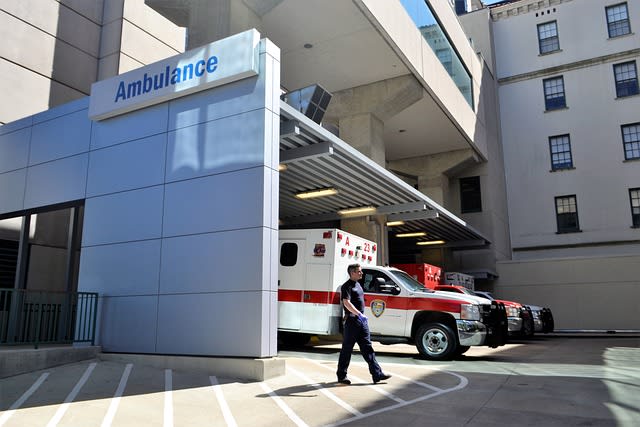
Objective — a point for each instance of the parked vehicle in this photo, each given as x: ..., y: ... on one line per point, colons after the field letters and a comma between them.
x: 542, y: 316
x: 531, y: 322
x: 313, y: 267
x: 520, y: 319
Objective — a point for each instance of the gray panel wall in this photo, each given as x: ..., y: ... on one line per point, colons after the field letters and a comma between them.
x: 181, y: 218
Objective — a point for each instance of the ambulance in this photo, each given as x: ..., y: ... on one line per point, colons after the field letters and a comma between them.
x: 312, y: 268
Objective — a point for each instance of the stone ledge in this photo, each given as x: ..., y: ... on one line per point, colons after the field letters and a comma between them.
x: 247, y: 369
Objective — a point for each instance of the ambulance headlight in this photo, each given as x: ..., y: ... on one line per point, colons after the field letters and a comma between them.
x: 469, y: 312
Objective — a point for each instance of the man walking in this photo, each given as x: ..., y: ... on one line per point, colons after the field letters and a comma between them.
x: 356, y: 329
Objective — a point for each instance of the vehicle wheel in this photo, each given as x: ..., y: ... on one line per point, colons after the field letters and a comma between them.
x: 527, y: 327
x: 293, y: 339
x: 436, y: 341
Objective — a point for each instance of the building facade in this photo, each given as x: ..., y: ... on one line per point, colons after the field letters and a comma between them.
x: 450, y: 104
x: 567, y: 73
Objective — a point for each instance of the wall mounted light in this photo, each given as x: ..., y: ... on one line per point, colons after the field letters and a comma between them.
x: 321, y: 192
x: 416, y: 234
x: 431, y: 242
x: 363, y: 210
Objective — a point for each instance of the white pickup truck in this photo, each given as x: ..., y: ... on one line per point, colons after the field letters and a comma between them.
x: 313, y: 266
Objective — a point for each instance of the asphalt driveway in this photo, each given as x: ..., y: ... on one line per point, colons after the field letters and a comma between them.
x: 548, y: 381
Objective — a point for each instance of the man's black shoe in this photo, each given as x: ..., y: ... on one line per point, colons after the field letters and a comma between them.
x: 346, y: 381
x: 382, y: 377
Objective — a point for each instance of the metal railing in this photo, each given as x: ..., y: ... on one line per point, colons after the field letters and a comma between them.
x: 40, y: 317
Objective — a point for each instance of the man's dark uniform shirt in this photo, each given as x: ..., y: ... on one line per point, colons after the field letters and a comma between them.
x: 353, y: 292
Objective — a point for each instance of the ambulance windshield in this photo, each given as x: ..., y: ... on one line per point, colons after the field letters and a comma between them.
x: 409, y: 282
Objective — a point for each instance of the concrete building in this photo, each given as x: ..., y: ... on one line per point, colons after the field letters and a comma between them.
x: 567, y: 73
x: 415, y: 89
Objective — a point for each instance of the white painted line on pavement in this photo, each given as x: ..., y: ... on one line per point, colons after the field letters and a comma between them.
x: 168, y: 398
x: 425, y: 385
x: 67, y: 402
x: 27, y: 394
x: 331, y: 396
x: 374, y: 387
x: 226, y: 412
x: 283, y: 406
x: 463, y: 382
x: 113, y: 407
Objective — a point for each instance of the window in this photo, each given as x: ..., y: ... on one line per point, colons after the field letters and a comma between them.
x: 369, y: 282
x: 631, y: 141
x: 626, y: 79
x: 446, y: 59
x: 567, y: 214
x: 618, y: 20
x: 548, y: 37
x: 470, y: 197
x: 560, y: 148
x: 288, y: 254
x: 634, y: 198
x: 554, y: 93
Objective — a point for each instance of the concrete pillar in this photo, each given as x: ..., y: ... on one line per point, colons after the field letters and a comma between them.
x: 364, y: 132
x: 208, y: 21
x: 360, y: 114
x: 434, y: 171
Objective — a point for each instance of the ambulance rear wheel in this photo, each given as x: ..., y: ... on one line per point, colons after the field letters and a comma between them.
x: 436, y: 341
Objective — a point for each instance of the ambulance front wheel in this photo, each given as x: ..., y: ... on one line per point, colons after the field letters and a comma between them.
x: 436, y: 341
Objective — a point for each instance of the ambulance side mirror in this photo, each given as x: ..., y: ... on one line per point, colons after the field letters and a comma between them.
x: 387, y: 287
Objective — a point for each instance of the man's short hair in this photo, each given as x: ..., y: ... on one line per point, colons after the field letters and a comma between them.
x: 352, y: 268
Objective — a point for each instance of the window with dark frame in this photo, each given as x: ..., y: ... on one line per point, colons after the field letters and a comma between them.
x: 470, y: 195
x: 548, y: 37
x: 567, y: 214
x: 631, y: 141
x: 626, y: 76
x: 618, y: 20
x: 560, y: 149
x: 634, y: 198
x: 554, y: 98
x: 288, y: 254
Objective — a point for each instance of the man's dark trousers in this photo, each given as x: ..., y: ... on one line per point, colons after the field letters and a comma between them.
x: 357, y: 331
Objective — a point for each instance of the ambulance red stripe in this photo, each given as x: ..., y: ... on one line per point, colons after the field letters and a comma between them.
x: 391, y: 302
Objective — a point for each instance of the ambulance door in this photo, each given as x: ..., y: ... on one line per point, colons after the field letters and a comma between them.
x: 386, y: 311
x: 291, y: 279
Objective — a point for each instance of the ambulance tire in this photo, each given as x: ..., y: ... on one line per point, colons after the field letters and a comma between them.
x: 436, y: 341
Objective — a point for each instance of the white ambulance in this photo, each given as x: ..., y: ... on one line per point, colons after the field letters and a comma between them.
x: 313, y: 267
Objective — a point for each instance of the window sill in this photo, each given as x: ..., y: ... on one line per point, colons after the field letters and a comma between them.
x: 628, y: 96
x: 569, y: 231
x: 555, y: 109
x: 562, y: 169
x: 621, y: 36
x: 550, y: 53
x: 635, y: 226
x: 635, y: 159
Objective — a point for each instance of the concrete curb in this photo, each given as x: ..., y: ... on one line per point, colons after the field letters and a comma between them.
x: 247, y: 369
x: 20, y: 361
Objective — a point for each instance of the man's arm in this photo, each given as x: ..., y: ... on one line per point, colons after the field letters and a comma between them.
x: 352, y: 308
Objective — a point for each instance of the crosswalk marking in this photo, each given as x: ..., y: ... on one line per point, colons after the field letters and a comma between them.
x: 292, y: 415
x: 63, y: 408
x: 226, y: 412
x: 18, y: 403
x: 113, y: 407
